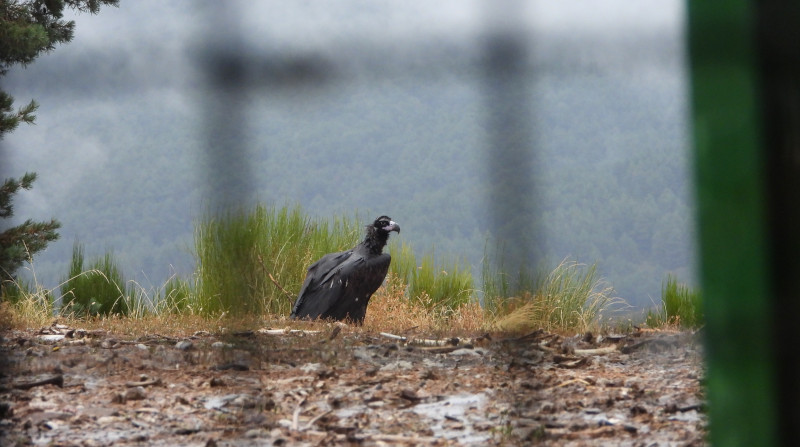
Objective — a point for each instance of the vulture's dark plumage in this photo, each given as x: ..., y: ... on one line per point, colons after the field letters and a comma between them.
x: 339, y: 285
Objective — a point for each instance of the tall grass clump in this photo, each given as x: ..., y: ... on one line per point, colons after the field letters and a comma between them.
x: 174, y: 297
x: 254, y: 261
x: 569, y: 298
x: 501, y: 287
x: 32, y: 304
x: 680, y: 305
x: 98, y: 290
x: 441, y: 288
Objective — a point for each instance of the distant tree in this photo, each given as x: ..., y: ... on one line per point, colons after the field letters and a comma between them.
x: 19, y: 242
x: 27, y: 29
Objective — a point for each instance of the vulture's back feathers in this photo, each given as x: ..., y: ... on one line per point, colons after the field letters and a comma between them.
x: 339, y: 285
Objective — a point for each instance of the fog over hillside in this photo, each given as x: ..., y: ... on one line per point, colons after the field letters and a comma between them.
x: 158, y: 110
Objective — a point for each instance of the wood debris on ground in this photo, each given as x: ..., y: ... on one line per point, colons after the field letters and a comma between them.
x: 333, y: 386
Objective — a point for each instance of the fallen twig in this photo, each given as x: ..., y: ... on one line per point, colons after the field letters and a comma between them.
x: 655, y: 342
x: 285, y: 331
x: 595, y: 351
x: 398, y: 439
x: 316, y: 418
x: 55, y: 380
x: 150, y: 382
x: 453, y: 341
x: 274, y: 281
x: 335, y: 332
x: 394, y: 337
x: 296, y: 414
x: 571, y: 381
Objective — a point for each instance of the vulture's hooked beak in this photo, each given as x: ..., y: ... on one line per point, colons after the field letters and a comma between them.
x: 393, y: 227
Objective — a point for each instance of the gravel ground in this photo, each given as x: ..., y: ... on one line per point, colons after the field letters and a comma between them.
x: 64, y: 386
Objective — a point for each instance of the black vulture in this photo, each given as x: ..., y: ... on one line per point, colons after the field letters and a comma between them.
x: 339, y: 285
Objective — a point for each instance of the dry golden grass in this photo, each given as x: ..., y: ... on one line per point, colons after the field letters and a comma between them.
x: 391, y: 311
x: 24, y: 315
x: 531, y: 312
x: 31, y: 311
x: 167, y: 325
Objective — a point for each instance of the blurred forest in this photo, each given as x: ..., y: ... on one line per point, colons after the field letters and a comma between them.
x: 133, y: 141
x: 612, y: 187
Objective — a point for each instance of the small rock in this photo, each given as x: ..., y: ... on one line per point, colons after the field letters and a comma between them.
x: 51, y: 338
x: 529, y: 433
x: 409, y: 394
x: 184, y: 345
x: 142, y: 346
x: 466, y: 352
x: 218, y: 402
x: 108, y: 420
x: 311, y: 367
x: 256, y: 433
x: 221, y: 345
x: 630, y: 428
x: 243, y: 401
x: 6, y: 410
x: 135, y: 393
x: 232, y: 367
x: 362, y: 354
x: 398, y: 365
x: 688, y: 416
x: 547, y: 407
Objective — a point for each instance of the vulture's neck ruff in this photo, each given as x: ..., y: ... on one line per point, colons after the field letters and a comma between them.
x: 375, y: 240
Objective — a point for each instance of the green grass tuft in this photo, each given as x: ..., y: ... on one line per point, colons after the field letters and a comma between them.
x: 98, y: 290
x: 680, y: 305
x: 254, y: 261
x: 441, y: 288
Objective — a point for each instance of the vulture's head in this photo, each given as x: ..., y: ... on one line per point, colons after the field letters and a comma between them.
x: 384, y: 224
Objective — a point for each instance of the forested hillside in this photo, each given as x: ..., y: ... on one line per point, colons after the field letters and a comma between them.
x: 612, y: 188
x: 122, y: 161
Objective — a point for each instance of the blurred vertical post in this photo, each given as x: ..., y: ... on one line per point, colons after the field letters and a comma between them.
x: 508, y: 84
x: 778, y: 45
x: 732, y: 211
x: 229, y: 177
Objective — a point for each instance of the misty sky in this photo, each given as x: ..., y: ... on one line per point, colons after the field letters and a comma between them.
x: 150, y: 47
x: 150, y: 54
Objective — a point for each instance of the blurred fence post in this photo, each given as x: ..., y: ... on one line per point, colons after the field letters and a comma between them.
x: 778, y: 46
x: 510, y: 150
x: 739, y: 127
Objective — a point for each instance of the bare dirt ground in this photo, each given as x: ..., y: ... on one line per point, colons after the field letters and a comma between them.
x: 63, y: 386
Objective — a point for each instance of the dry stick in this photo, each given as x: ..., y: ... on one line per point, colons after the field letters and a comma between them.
x: 316, y: 418
x: 155, y: 381
x: 452, y: 341
x: 274, y: 281
x: 296, y: 414
x: 400, y: 438
x: 596, y: 351
x: 55, y: 380
x: 569, y: 382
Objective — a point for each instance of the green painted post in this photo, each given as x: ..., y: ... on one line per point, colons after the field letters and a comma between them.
x: 732, y: 223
